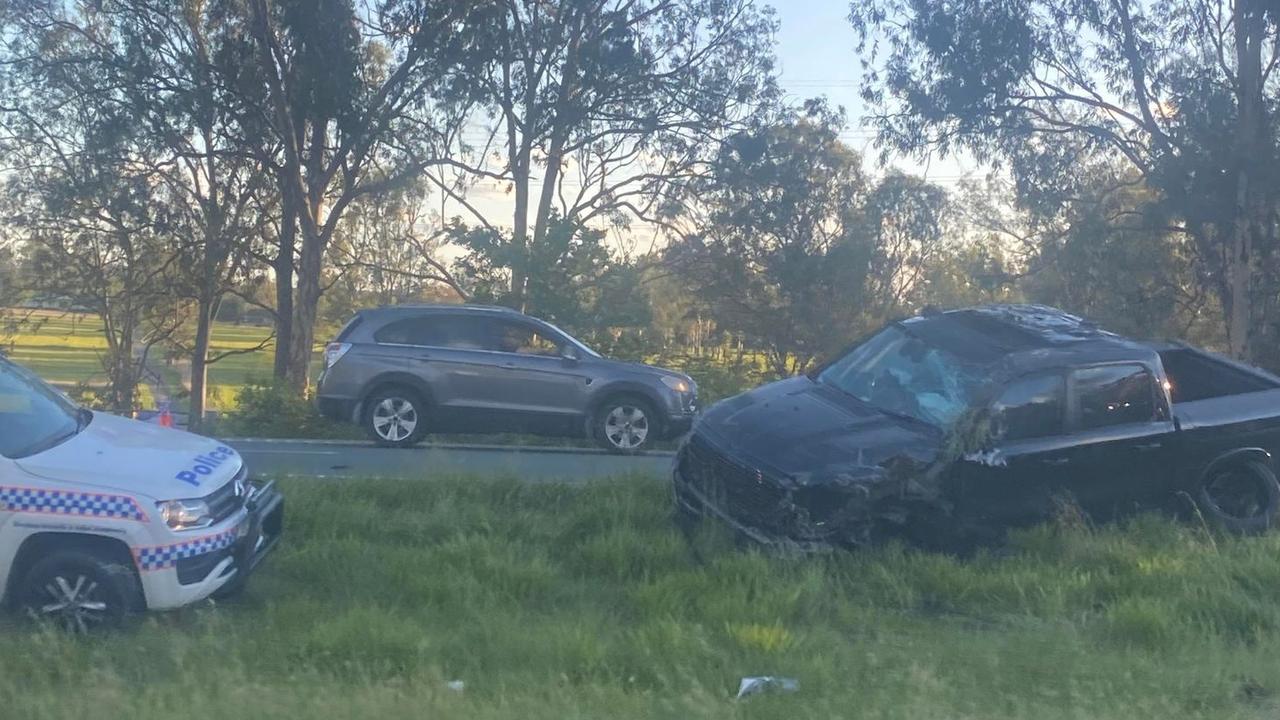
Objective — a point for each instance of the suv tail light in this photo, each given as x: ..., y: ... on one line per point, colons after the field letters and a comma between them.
x: 333, y: 352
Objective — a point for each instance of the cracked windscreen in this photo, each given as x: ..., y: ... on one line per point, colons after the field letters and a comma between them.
x: 901, y: 374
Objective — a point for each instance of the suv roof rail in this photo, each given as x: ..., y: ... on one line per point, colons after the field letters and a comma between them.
x: 449, y: 306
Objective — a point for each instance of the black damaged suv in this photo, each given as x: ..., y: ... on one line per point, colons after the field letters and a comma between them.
x: 950, y: 425
x: 402, y: 372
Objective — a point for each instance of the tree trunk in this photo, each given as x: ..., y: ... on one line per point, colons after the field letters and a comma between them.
x: 284, y: 287
x: 305, y: 311
x: 1250, y: 147
x: 206, y: 310
x: 520, y: 234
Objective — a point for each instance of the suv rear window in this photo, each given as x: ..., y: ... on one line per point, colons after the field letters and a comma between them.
x: 1114, y: 395
x: 347, y: 329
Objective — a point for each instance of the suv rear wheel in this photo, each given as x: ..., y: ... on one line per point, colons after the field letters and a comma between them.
x: 80, y: 592
x: 395, y: 417
x: 626, y: 425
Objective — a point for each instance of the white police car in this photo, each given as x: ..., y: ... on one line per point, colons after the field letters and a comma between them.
x: 101, y: 516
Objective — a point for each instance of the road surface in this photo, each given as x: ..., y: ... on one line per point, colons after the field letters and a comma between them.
x: 338, y: 460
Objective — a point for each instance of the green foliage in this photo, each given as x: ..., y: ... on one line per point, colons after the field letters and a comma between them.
x: 573, y: 280
x: 1111, y: 256
x: 556, y: 602
x: 272, y: 410
x: 1177, y: 106
x: 798, y: 252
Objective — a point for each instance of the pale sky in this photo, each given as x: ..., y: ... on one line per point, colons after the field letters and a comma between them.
x: 816, y: 57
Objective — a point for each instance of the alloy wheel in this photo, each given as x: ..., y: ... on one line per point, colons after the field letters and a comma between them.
x: 75, y: 604
x: 626, y: 427
x: 395, y: 419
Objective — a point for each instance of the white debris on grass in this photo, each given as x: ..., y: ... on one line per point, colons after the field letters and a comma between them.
x: 766, y: 683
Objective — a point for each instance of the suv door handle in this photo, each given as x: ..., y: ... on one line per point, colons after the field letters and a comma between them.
x: 1147, y: 447
x: 1055, y: 461
x: 423, y: 356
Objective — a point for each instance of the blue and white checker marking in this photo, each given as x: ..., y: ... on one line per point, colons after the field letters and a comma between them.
x: 166, y: 556
x: 64, y: 502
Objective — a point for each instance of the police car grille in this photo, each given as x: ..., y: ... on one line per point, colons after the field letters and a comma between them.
x: 224, y: 502
x: 740, y: 491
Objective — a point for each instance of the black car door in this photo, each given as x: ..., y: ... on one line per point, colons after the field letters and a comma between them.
x: 1120, y: 421
x: 1015, y: 480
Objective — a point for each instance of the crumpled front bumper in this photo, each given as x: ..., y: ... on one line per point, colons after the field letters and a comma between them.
x: 856, y: 507
x: 266, y: 525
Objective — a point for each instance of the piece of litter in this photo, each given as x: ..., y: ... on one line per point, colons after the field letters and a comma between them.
x: 456, y: 685
x: 753, y: 685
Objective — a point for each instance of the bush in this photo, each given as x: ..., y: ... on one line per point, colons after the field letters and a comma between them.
x: 717, y: 379
x: 271, y: 410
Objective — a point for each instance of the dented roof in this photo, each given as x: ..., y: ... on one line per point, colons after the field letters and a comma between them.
x: 1024, y: 338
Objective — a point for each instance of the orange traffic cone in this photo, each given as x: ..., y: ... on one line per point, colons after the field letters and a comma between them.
x: 166, y: 418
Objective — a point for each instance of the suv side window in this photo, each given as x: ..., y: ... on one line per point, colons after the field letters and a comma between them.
x: 410, y: 331
x: 442, y: 331
x: 1030, y: 407
x: 1113, y: 395
x: 525, y: 340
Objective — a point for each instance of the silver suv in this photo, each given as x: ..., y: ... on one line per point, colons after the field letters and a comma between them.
x: 402, y: 372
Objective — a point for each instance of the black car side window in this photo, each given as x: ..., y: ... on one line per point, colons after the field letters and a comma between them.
x: 1032, y: 407
x: 1113, y: 395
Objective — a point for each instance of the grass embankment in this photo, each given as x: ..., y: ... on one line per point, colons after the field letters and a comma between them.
x: 555, y: 602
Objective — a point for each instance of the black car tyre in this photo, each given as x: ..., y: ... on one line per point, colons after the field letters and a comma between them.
x: 626, y: 425
x: 395, y: 417
x: 80, y: 591
x: 1242, y: 497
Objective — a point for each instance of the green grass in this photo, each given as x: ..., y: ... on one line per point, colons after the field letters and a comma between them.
x: 556, y: 602
x: 66, y: 349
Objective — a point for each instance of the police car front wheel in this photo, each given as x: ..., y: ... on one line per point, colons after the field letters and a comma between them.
x: 80, y: 592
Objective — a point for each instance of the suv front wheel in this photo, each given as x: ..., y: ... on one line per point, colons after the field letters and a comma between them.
x: 626, y: 425
x: 395, y: 417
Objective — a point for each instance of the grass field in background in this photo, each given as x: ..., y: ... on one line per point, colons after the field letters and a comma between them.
x: 66, y: 348
x: 558, y: 602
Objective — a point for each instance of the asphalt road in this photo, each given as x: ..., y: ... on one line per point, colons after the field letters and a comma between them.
x: 338, y: 460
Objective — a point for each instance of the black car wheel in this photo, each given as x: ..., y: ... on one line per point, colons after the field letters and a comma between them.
x: 626, y: 425
x: 80, y: 592
x: 395, y: 417
x: 1242, y: 497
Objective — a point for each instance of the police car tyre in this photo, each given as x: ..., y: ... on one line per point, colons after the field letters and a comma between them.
x: 80, y: 592
x: 395, y: 417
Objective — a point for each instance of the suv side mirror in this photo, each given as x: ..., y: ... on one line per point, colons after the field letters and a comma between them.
x: 570, y: 353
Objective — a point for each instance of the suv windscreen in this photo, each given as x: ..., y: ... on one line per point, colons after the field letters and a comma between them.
x: 1114, y: 395
x: 582, y: 347
x: 901, y: 374
x: 33, y: 416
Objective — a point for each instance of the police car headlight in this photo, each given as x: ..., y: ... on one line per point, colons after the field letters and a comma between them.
x: 185, y: 514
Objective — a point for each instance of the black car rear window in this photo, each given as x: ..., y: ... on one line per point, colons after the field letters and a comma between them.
x: 1114, y: 395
